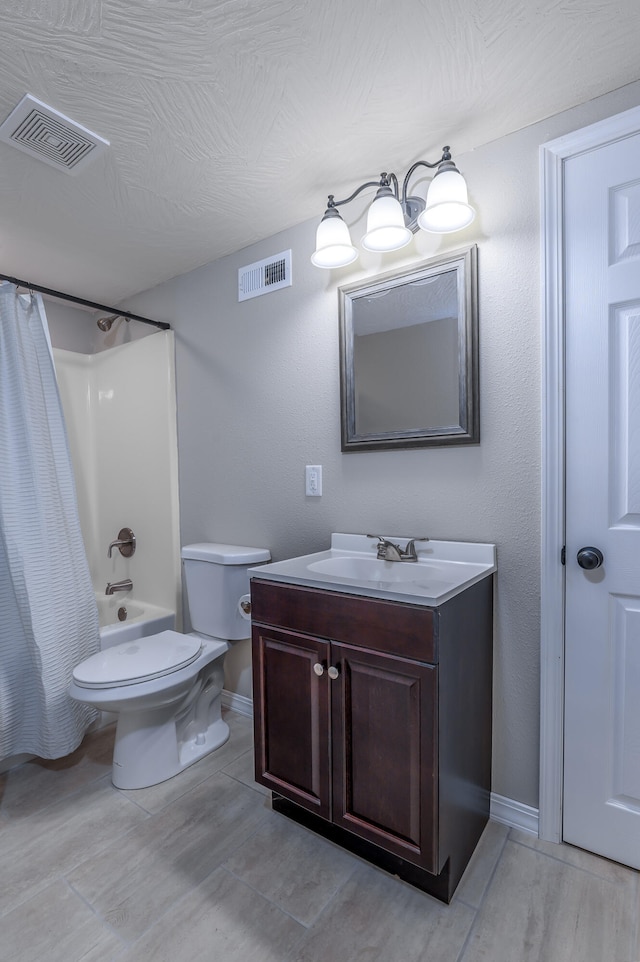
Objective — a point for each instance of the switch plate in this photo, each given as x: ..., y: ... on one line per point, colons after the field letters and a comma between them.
x: 313, y: 480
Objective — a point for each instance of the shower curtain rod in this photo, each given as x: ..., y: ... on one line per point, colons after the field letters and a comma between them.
x: 80, y: 300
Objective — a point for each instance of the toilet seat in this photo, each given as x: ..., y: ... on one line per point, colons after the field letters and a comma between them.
x: 139, y: 660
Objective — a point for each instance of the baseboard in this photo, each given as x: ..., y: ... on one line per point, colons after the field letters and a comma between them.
x: 505, y: 810
x: 239, y: 703
x: 515, y: 814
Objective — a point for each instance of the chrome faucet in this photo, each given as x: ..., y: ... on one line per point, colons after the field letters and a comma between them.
x: 113, y: 586
x: 388, y: 551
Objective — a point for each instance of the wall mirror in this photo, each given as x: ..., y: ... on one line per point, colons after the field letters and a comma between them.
x: 409, y: 356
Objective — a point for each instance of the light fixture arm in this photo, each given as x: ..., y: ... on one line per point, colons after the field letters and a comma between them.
x: 385, y: 181
x: 347, y: 200
x: 389, y: 179
x: 446, y: 156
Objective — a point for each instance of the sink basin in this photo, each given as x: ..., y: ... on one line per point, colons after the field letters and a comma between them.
x: 355, y: 568
x: 443, y: 569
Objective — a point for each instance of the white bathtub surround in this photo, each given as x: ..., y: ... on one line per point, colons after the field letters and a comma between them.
x: 120, y: 408
x: 48, y: 616
x: 140, y: 619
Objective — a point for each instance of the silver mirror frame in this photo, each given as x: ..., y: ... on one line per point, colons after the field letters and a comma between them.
x: 467, y: 430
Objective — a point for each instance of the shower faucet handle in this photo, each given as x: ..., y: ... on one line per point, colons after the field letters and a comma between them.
x: 125, y: 543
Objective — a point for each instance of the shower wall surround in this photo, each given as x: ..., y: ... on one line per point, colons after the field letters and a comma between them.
x: 120, y: 411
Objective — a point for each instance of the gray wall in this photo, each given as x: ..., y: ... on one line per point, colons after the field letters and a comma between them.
x: 75, y: 329
x: 71, y: 329
x: 258, y: 398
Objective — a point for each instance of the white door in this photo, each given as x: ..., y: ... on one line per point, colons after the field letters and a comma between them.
x: 602, y: 659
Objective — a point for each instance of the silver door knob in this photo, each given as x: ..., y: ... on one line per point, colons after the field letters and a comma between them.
x: 319, y: 669
x: 333, y: 672
x: 590, y: 558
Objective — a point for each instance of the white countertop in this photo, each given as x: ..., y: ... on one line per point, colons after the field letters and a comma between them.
x: 443, y: 569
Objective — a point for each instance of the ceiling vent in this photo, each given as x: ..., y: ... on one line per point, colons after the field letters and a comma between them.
x: 48, y: 135
x: 264, y: 276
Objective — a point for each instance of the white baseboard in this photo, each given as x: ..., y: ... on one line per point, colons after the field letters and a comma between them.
x: 515, y: 814
x: 505, y: 810
x: 239, y: 703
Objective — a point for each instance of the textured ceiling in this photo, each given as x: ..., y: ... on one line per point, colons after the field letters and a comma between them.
x: 232, y: 119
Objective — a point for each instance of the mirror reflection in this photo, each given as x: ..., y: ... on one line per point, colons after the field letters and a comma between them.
x: 408, y: 357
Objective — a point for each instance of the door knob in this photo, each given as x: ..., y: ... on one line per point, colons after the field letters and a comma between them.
x: 319, y: 669
x: 590, y: 558
x: 333, y: 672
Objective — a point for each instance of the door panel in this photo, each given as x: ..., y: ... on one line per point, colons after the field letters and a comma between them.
x: 624, y: 734
x: 624, y: 401
x: 602, y: 652
x: 291, y: 717
x: 384, y: 730
x: 624, y: 234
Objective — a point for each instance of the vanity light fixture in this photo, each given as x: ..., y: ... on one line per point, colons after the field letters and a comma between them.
x: 393, y: 217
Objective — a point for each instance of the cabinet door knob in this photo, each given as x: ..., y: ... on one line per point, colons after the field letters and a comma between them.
x: 319, y: 669
x: 333, y: 672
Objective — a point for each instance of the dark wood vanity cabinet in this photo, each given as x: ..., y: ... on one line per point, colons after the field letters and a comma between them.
x: 373, y: 722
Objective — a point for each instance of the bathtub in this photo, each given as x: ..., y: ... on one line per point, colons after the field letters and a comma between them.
x: 125, y: 619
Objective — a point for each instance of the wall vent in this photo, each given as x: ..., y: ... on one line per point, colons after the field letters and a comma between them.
x: 48, y: 135
x: 264, y: 276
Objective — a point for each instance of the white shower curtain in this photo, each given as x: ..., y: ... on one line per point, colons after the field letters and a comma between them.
x: 48, y: 614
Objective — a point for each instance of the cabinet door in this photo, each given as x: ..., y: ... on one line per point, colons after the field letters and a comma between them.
x: 291, y: 716
x: 385, y: 753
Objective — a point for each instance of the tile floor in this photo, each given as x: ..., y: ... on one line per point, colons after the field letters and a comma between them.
x: 200, y: 868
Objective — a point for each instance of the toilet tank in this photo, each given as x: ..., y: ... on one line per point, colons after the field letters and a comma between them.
x: 216, y: 577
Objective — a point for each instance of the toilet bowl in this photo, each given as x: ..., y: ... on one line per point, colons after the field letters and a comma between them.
x: 166, y: 688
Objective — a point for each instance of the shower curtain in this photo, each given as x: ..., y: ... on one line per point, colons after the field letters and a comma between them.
x: 48, y: 614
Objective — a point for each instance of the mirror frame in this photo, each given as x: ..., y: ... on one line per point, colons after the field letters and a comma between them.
x: 467, y: 431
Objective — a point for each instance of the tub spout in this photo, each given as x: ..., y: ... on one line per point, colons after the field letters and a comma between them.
x: 114, y: 586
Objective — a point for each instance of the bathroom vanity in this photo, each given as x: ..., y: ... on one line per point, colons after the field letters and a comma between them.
x: 372, y: 702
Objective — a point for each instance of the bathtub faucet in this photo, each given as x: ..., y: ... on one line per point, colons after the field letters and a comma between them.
x: 125, y: 543
x: 114, y: 586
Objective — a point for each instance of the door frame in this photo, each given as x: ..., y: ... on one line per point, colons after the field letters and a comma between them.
x: 552, y: 588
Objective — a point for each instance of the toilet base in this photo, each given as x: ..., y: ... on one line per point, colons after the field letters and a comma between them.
x: 155, y: 744
x: 134, y: 768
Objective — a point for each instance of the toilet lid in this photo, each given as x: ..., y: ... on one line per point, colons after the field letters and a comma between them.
x: 139, y: 660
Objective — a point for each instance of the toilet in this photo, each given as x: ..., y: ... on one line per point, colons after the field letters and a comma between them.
x: 166, y: 688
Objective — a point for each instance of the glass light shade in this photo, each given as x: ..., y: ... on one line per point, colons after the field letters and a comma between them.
x: 333, y: 243
x: 448, y: 206
x: 386, y: 229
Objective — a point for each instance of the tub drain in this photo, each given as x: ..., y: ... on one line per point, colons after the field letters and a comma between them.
x: 122, y: 613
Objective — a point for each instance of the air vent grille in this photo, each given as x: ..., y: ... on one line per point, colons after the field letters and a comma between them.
x: 265, y: 276
x: 48, y: 135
